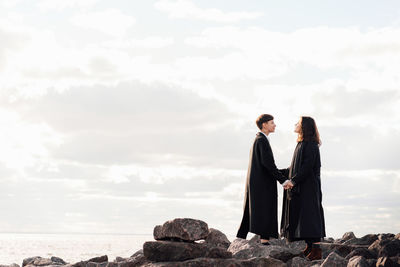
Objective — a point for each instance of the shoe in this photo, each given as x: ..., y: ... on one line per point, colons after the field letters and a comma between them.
x: 315, y: 254
x: 307, y: 250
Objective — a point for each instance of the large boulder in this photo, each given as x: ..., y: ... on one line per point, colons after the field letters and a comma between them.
x: 180, y: 251
x: 347, y: 236
x: 217, y: 238
x: 358, y: 261
x: 185, y: 229
x: 245, y: 249
x: 390, y: 249
x: 334, y: 260
x: 364, y: 252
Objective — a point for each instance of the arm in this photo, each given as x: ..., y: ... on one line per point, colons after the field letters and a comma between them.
x: 305, y: 169
x: 267, y: 160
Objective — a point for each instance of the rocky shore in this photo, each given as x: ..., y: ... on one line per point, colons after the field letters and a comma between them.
x: 189, y: 242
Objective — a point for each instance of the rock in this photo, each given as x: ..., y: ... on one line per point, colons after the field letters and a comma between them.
x: 365, y: 240
x: 134, y: 261
x: 207, y: 262
x: 29, y: 260
x: 245, y: 249
x: 328, y: 240
x: 316, y: 263
x: 99, y: 259
x: 119, y: 259
x: 334, y: 260
x: 181, y: 251
x: 299, y: 262
x: 397, y: 236
x: 371, y: 262
x: 385, y: 236
x: 139, y: 252
x: 366, y: 253
x: 390, y: 249
x: 112, y: 264
x: 42, y: 262
x: 340, y: 249
x: 11, y: 265
x: 58, y: 260
x: 386, y: 262
x: 358, y: 261
x: 217, y: 238
x: 347, y: 236
x: 181, y: 229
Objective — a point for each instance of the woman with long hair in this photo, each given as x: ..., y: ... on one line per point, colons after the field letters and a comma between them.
x: 302, y: 212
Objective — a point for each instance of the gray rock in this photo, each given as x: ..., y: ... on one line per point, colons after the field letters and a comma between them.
x: 397, y: 236
x: 347, y: 236
x: 207, y: 262
x: 316, y: 263
x: 42, y: 262
x: 245, y: 249
x: 99, y: 259
x: 58, y: 260
x: 11, y: 265
x: 181, y: 251
x: 358, y: 261
x: 329, y: 240
x: 112, y: 264
x: 334, y: 260
x: 366, y: 253
x: 181, y: 229
x: 366, y: 240
x: 29, y: 260
x: 340, y: 249
x: 217, y: 238
x: 139, y: 252
x: 134, y: 261
x: 299, y: 262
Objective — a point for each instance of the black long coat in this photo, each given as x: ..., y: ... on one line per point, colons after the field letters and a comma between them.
x: 302, y: 212
x: 260, y: 214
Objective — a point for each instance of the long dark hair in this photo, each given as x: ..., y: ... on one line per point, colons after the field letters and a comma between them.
x: 309, y: 130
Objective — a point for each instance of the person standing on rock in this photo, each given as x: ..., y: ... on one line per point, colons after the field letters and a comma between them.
x: 260, y: 214
x: 302, y: 212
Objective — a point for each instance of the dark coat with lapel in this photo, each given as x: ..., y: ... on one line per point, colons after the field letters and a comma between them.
x: 302, y: 212
x: 260, y: 214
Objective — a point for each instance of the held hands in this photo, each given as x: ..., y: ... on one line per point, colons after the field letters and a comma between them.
x: 287, y: 184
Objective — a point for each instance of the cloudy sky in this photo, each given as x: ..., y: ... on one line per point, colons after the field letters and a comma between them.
x: 117, y: 116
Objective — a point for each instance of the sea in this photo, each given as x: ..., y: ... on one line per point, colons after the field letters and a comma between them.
x: 15, y: 247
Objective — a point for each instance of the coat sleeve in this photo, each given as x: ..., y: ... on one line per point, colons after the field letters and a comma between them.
x: 267, y: 160
x: 306, y: 166
x: 285, y: 172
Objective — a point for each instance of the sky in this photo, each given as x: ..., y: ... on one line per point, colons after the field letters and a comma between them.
x: 117, y: 116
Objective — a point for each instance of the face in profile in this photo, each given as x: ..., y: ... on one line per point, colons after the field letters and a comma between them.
x: 297, y: 126
x: 269, y: 126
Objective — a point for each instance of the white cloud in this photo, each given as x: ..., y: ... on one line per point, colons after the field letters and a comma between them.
x: 48, y: 5
x: 185, y: 9
x: 110, y: 21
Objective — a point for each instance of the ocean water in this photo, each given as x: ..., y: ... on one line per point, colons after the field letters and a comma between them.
x: 14, y: 247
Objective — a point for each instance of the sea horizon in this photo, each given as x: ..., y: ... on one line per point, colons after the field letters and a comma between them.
x: 71, y: 247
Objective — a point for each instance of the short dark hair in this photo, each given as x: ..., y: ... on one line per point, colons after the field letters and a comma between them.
x: 263, y: 118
